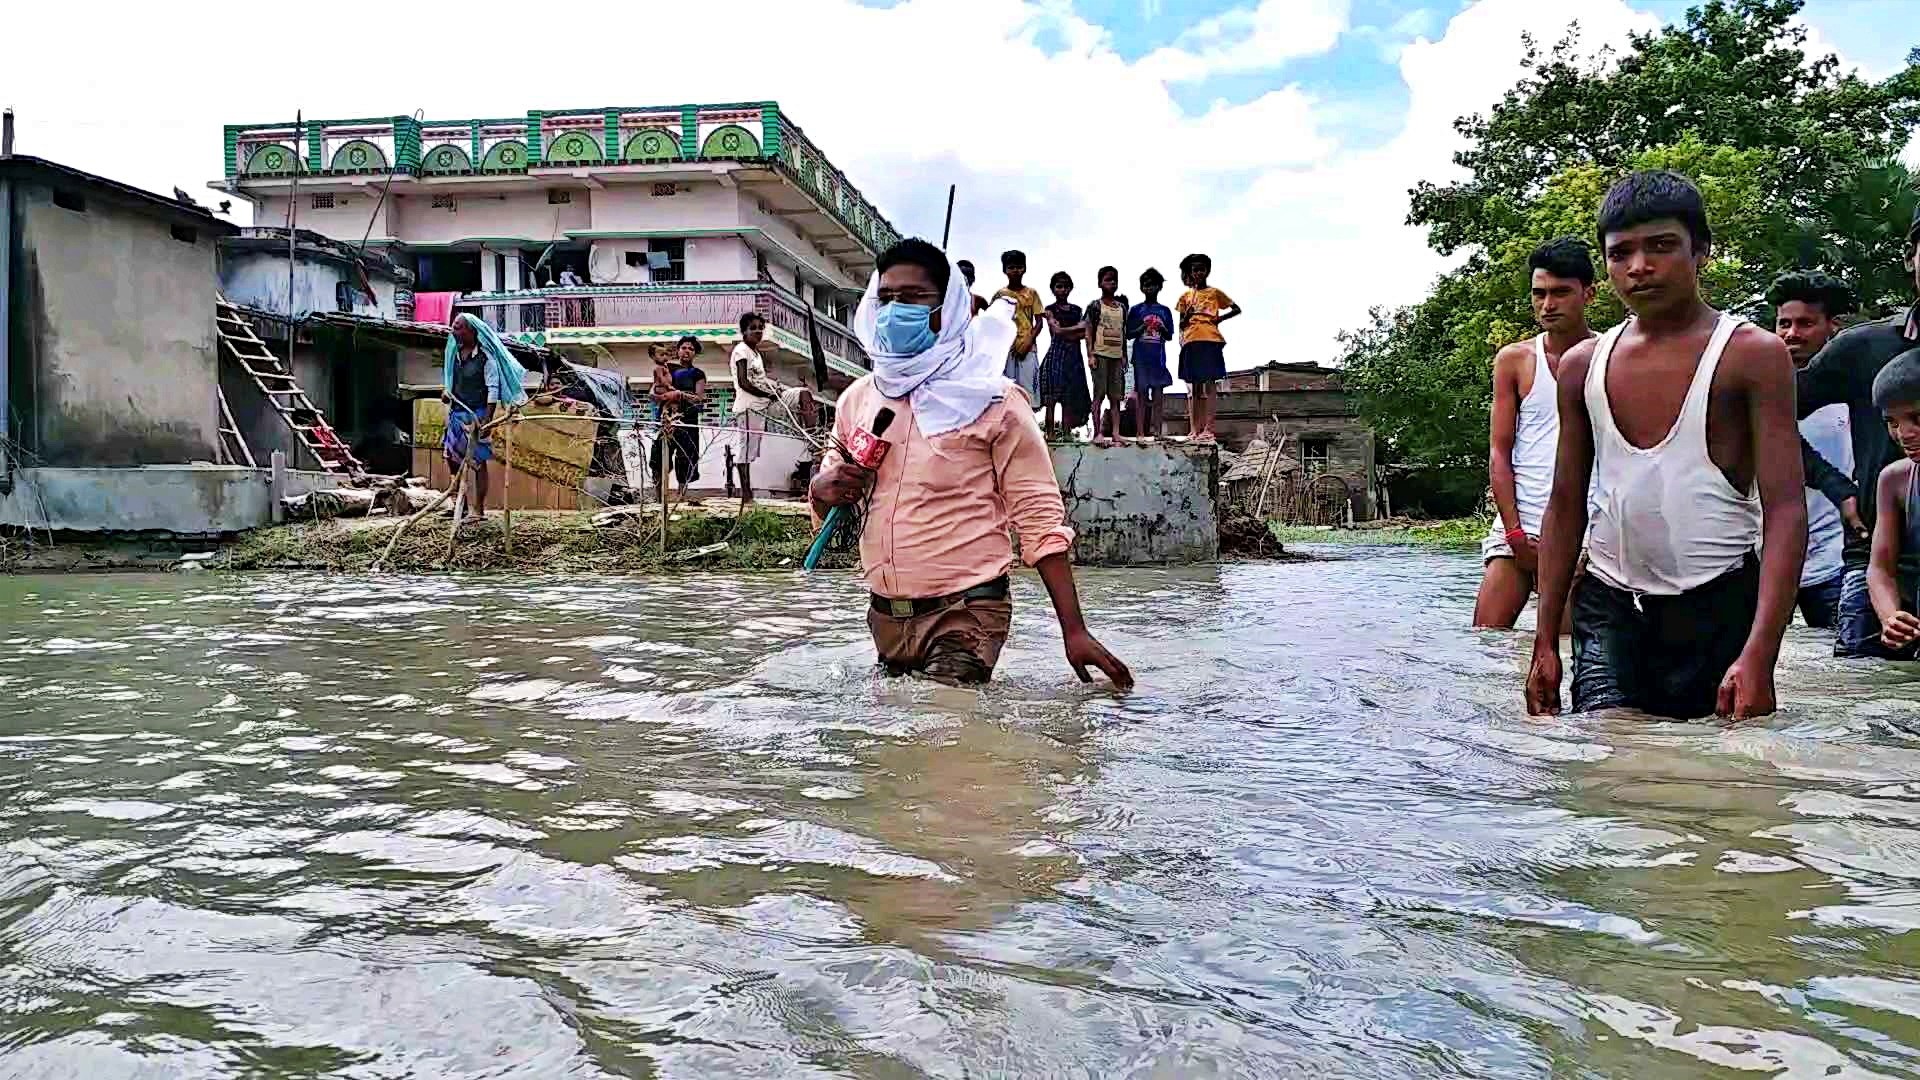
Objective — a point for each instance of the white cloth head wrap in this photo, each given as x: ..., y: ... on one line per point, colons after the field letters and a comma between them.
x: 953, y: 382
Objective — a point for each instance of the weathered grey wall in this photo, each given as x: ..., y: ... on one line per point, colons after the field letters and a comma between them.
x: 120, y: 360
x: 258, y: 279
x: 1140, y: 504
x: 185, y: 500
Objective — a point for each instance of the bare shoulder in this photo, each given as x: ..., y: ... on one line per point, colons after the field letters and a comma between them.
x: 1513, y: 357
x: 1894, y: 480
x: 1758, y: 355
x: 1575, y: 362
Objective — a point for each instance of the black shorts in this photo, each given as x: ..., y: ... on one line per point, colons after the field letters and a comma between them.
x: 1665, y: 655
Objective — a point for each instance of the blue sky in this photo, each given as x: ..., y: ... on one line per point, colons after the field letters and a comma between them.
x: 1360, y: 76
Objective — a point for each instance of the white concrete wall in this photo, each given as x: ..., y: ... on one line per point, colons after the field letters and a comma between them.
x: 525, y: 215
x: 182, y: 500
x: 634, y: 207
x: 719, y: 258
x: 117, y: 351
x: 347, y: 221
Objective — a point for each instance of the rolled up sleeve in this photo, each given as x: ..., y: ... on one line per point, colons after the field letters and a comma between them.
x: 1024, y: 469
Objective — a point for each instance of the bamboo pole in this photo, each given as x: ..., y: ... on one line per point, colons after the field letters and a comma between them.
x: 451, y: 492
x: 506, y: 489
x: 666, y: 454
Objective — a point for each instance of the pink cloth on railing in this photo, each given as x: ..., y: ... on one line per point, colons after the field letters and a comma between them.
x: 434, y: 307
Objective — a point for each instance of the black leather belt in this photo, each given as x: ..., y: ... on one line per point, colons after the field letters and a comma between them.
x: 996, y: 589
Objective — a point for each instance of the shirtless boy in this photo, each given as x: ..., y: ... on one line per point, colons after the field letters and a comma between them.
x: 1525, y: 432
x: 1684, y: 416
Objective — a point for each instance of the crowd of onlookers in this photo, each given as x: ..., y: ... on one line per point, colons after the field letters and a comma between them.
x: 1123, y: 345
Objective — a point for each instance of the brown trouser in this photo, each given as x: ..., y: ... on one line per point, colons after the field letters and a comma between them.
x: 959, y: 642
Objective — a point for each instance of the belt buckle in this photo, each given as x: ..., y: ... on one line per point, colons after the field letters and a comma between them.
x: 900, y: 609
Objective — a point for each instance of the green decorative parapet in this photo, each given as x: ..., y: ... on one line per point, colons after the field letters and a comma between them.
x: 764, y: 135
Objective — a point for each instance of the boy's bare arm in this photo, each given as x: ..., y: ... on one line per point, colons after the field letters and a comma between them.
x: 1778, y: 475
x: 1883, y: 581
x: 1233, y: 311
x: 1562, y: 528
x: 1504, y: 421
x: 1565, y: 522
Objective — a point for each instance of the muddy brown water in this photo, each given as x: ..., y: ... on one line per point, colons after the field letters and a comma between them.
x: 293, y: 826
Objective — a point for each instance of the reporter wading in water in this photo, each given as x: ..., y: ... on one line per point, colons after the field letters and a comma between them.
x: 966, y: 459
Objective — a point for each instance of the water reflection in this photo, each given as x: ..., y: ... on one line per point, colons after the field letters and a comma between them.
x: 304, y: 826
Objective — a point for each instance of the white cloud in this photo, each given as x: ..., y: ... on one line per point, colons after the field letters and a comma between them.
x: 1250, y: 39
x: 1070, y: 153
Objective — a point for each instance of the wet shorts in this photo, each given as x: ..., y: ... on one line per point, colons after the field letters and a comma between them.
x: 955, y: 639
x: 1665, y: 655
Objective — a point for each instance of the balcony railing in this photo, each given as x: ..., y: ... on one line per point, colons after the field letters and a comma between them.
x: 689, y: 307
x: 753, y: 132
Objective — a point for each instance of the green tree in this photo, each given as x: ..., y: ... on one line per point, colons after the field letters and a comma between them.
x: 1733, y: 74
x: 1794, y: 157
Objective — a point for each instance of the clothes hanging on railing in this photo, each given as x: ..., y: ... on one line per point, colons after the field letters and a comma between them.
x: 434, y: 307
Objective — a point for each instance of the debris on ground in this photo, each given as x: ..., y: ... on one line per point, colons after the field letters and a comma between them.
x: 1249, y: 537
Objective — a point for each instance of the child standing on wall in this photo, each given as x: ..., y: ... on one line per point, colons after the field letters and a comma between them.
x: 1149, y: 324
x: 1107, y: 355
x: 1023, y: 362
x: 1063, y: 389
x: 1203, y: 355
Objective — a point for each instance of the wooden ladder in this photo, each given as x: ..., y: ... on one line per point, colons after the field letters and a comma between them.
x: 282, y: 391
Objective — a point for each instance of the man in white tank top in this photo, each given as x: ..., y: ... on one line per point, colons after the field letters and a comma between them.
x: 1525, y: 428
x: 1806, y: 312
x: 1685, y: 418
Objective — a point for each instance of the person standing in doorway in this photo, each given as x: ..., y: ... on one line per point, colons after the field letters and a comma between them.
x: 1023, y: 362
x: 1525, y: 427
x: 1203, y: 349
x: 1685, y: 416
x: 477, y: 374
x: 754, y: 391
x: 1807, y: 309
x: 1843, y: 373
x: 1107, y: 356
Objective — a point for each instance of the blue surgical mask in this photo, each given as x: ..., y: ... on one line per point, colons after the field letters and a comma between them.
x: 902, y: 330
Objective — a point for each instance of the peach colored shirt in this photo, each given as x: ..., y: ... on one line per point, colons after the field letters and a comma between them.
x: 937, y: 522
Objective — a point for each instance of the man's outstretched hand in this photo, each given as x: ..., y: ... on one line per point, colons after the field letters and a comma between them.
x: 1083, y: 651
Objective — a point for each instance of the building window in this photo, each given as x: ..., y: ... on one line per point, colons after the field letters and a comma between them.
x: 323, y: 201
x: 559, y: 198
x: 674, y: 266
x: 1314, y: 454
x: 443, y: 202
x: 69, y: 200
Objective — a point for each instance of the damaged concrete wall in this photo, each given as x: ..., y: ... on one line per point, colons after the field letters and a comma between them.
x: 181, y: 500
x: 118, y: 349
x: 1130, y: 505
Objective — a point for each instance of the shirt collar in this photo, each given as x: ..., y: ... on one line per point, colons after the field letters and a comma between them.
x: 1912, y: 329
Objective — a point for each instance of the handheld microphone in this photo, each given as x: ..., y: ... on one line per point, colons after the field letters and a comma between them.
x: 865, y: 449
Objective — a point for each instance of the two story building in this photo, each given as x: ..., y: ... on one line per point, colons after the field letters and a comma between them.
x: 596, y: 232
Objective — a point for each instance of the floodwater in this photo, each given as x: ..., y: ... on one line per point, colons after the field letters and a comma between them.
x: 292, y: 826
